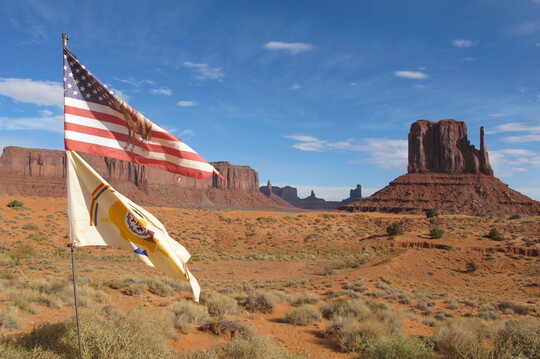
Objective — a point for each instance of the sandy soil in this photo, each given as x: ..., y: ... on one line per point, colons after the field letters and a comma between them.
x: 299, y: 252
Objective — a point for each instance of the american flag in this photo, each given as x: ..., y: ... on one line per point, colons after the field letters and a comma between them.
x: 99, y: 122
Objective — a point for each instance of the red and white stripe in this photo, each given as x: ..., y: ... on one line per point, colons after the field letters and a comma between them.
x: 101, y: 130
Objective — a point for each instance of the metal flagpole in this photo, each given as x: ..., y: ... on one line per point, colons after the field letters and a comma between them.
x: 65, y: 38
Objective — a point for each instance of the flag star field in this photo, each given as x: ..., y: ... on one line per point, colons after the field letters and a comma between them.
x: 312, y: 94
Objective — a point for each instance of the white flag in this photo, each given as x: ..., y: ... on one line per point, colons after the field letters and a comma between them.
x: 99, y: 215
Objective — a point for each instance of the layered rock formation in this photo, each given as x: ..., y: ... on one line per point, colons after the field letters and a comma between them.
x: 448, y: 173
x: 290, y: 195
x: 42, y: 173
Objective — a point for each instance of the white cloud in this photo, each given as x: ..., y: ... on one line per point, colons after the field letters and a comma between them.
x: 42, y: 93
x: 45, y: 113
x: 205, y: 72
x: 161, y: 91
x: 50, y: 123
x: 292, y: 47
x: 187, y: 103
x: 523, y: 138
x: 510, y: 159
x: 353, y: 83
x: 136, y: 83
x: 295, y: 86
x: 462, y: 43
x: 385, y: 153
x: 469, y: 59
x: 416, y: 75
x: 526, y: 28
x: 119, y: 93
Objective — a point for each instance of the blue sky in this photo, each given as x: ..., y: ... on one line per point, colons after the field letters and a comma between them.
x: 313, y: 94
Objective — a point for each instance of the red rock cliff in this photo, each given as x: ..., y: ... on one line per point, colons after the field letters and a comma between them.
x: 42, y: 173
x: 443, y: 147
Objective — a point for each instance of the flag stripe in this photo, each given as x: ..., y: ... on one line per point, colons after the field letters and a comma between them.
x: 112, y: 144
x: 83, y: 146
x: 110, y: 127
x: 123, y: 138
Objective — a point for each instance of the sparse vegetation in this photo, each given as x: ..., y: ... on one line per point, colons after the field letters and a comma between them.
x: 472, y: 266
x: 436, y: 233
x: 431, y: 213
x: 15, y: 204
x: 186, y: 314
x: 304, y: 314
x: 259, y: 301
x: 495, y: 235
x: 395, y: 229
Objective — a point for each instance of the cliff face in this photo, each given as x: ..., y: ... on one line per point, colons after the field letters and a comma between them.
x: 443, y: 147
x: 42, y: 173
x: 448, y: 173
x: 290, y: 195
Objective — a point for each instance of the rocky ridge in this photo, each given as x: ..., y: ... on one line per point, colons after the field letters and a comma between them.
x: 42, y: 173
x: 446, y: 172
x: 290, y: 195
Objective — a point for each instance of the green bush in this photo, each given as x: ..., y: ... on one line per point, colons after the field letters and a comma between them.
x: 186, y: 314
x: 136, y: 335
x: 259, y: 301
x: 160, y: 288
x: 431, y: 213
x: 353, y: 308
x: 241, y: 348
x: 517, y: 308
x: 495, y: 235
x: 395, y: 229
x: 15, y: 204
x: 304, y: 314
x: 518, y: 340
x: 219, y: 305
x: 436, y: 233
x: 399, y: 348
x: 353, y: 336
x: 458, y: 339
x: 514, y: 216
x: 472, y: 266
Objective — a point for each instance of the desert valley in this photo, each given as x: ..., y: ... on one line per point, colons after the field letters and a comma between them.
x: 442, y: 263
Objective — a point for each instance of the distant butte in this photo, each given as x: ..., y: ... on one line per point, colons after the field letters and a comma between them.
x: 448, y: 173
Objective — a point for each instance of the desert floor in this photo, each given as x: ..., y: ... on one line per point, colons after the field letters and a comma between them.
x: 463, y: 274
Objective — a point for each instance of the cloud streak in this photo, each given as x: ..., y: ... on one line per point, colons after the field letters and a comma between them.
x: 205, y: 72
x: 41, y: 93
x: 161, y: 91
x: 383, y: 152
x: 292, y: 47
x: 48, y: 123
x: 187, y: 103
x: 414, y: 75
x: 462, y: 43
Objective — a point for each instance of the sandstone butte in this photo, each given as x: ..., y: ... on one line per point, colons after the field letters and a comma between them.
x: 448, y: 173
x: 42, y: 173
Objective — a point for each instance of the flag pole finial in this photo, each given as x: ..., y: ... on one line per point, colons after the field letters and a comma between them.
x: 65, y: 38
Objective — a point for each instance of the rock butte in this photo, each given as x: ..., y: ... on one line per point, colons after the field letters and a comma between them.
x: 446, y: 172
x: 42, y: 173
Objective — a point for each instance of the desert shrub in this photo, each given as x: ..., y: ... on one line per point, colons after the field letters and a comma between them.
x: 392, y: 321
x: 15, y: 204
x: 240, y: 348
x: 30, y: 227
x: 431, y: 213
x: 186, y: 314
x: 353, y: 308
x: 399, y: 348
x: 259, y: 301
x: 461, y: 339
x: 136, y: 335
x: 9, y: 350
x: 472, y: 266
x: 358, y: 286
x: 219, y: 305
x: 514, y: 216
x: 9, y: 317
x: 451, y: 303
x: 228, y: 328
x: 134, y: 290
x: 518, y: 340
x: 304, y: 314
x: 495, y: 235
x: 517, y: 308
x: 395, y: 229
x: 436, y: 233
x: 354, y: 336
x: 304, y: 298
x: 159, y: 288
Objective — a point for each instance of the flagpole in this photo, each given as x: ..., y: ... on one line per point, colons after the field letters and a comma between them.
x: 65, y: 38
